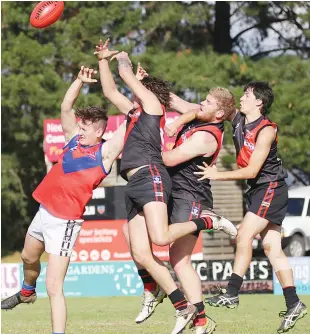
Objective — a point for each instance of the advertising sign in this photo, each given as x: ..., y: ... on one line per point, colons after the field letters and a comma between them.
x: 10, y: 279
x: 97, y: 279
x: 104, y: 241
x: 217, y: 273
x: 54, y: 139
x: 301, y: 270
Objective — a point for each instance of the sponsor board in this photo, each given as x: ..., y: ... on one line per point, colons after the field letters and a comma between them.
x: 10, y: 279
x: 213, y: 273
x: 120, y: 278
x: 103, y: 240
x: 301, y: 270
x: 97, y: 279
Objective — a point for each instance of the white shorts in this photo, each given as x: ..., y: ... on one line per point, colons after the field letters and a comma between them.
x: 59, y: 235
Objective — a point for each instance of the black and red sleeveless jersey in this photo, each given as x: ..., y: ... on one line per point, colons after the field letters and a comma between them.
x: 245, y: 136
x: 143, y: 140
x: 184, y: 181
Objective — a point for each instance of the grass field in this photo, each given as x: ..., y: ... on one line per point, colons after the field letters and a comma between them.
x: 257, y: 314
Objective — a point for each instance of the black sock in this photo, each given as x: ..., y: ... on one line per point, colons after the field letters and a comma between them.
x: 203, y: 223
x: 290, y: 296
x: 178, y: 300
x: 234, y: 284
x: 148, y: 281
x: 200, y: 319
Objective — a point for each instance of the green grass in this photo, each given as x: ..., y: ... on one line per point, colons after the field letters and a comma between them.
x: 257, y: 314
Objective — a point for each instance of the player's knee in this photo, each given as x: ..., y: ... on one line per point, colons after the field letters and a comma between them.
x: 267, y: 248
x: 142, y: 257
x: 160, y: 240
x: 54, y: 287
x: 178, y: 265
x: 243, y: 238
x: 27, y: 259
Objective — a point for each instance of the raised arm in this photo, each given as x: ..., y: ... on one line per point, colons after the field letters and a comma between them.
x: 113, y: 147
x: 149, y: 101
x: 180, y: 105
x: 200, y: 143
x: 121, y: 102
x: 68, y: 120
x: 172, y: 128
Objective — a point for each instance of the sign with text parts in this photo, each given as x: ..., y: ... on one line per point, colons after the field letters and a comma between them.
x: 54, y: 139
x: 301, y: 270
x: 103, y: 240
x: 10, y: 279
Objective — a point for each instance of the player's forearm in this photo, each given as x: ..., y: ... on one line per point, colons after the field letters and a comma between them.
x: 239, y: 174
x: 185, y: 118
x: 106, y: 78
x: 125, y: 71
x: 180, y: 105
x: 71, y: 95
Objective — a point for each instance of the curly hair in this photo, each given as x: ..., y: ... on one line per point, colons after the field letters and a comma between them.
x: 158, y: 87
x: 225, y: 100
x: 93, y: 114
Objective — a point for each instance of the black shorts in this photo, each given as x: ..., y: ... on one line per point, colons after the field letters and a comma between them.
x: 149, y: 184
x: 181, y: 210
x: 269, y: 201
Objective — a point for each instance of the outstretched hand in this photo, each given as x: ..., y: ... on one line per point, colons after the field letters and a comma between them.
x: 207, y: 172
x: 141, y: 72
x: 102, y: 50
x: 86, y: 74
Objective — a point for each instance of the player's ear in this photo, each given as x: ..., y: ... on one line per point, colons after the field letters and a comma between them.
x: 220, y: 114
x: 259, y: 103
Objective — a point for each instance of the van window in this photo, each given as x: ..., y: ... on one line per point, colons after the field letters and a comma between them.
x: 295, y: 206
x: 308, y: 212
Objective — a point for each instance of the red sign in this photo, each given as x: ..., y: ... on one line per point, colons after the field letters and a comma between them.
x: 103, y: 240
x: 54, y: 139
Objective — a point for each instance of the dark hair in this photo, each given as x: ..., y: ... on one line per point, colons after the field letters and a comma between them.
x: 158, y: 87
x: 93, y: 114
x: 262, y: 91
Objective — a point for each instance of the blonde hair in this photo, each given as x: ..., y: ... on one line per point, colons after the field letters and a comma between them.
x: 225, y: 100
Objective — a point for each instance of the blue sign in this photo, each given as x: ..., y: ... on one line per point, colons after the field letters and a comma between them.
x: 301, y: 269
x: 96, y: 279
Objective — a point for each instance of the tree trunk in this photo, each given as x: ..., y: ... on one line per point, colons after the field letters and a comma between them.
x: 222, y: 42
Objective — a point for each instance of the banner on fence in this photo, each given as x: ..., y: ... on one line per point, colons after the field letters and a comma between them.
x: 120, y: 278
x: 301, y: 269
x: 103, y: 240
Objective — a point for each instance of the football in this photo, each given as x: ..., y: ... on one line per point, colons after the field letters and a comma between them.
x: 46, y: 13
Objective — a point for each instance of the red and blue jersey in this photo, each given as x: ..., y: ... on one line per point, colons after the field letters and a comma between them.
x: 69, y: 185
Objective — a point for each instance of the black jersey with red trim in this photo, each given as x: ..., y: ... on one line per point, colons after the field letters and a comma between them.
x: 184, y: 181
x: 245, y: 136
x: 143, y: 140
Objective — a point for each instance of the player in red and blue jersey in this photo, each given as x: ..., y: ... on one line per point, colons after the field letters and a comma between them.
x: 255, y: 139
x: 63, y: 194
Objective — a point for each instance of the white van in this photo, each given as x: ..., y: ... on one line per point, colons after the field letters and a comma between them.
x: 296, y: 225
